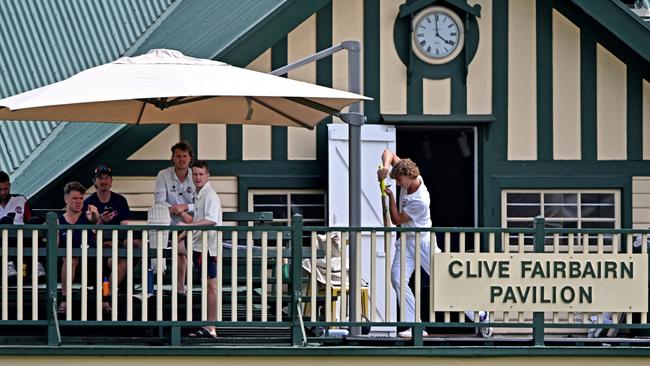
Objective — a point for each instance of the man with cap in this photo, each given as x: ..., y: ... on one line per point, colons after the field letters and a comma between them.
x: 113, y: 209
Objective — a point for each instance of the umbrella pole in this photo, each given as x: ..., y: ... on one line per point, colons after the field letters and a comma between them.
x: 355, y: 120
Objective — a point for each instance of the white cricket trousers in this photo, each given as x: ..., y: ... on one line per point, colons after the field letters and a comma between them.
x: 409, y: 268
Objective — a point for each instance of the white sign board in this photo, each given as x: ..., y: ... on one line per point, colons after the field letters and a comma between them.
x: 540, y: 282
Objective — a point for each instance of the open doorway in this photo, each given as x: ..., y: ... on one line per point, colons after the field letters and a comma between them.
x: 447, y: 160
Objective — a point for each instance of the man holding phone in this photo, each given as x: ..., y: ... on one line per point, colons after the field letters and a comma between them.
x: 113, y: 209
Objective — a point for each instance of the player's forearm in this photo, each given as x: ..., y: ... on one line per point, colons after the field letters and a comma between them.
x: 389, y: 158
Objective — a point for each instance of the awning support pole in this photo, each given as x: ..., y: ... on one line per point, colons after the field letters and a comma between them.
x: 355, y: 119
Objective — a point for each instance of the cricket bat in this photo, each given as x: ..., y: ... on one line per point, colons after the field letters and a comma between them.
x: 384, y: 204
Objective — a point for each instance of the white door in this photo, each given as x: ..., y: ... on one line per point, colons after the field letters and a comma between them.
x: 374, y: 139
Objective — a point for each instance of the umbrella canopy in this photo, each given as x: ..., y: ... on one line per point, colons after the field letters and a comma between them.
x: 165, y: 86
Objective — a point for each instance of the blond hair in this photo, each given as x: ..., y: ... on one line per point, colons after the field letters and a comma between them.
x: 405, y: 167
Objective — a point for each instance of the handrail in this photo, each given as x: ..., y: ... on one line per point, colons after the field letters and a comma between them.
x: 251, y: 261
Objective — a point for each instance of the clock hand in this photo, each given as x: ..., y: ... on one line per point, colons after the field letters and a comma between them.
x: 446, y: 41
x: 436, y: 24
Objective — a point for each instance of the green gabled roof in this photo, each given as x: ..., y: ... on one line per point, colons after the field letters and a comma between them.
x: 44, y: 41
x: 202, y: 28
x: 621, y: 21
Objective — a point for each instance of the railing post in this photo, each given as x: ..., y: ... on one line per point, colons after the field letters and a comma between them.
x: 538, y: 316
x: 296, y: 279
x: 52, y: 256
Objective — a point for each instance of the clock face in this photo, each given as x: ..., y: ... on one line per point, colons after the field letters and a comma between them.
x: 438, y: 35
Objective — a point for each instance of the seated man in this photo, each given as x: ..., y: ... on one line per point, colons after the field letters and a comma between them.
x: 207, y: 212
x: 14, y: 210
x: 73, y: 195
x: 113, y: 209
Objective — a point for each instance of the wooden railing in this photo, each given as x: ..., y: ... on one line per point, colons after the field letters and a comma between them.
x: 263, y: 282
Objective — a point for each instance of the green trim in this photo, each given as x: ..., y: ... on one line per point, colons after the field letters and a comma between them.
x: 371, y: 57
x: 588, y: 98
x: 414, y: 6
x: 456, y: 68
x: 407, y: 119
x: 324, y: 25
x: 270, y: 181
x: 634, y: 114
x: 620, y: 21
x: 114, y: 152
x: 603, y: 36
x: 235, y: 142
x: 591, y: 32
x: 269, y: 31
x: 190, y: 133
x: 493, y: 143
x: 620, y: 182
x: 279, y: 139
x: 575, y: 174
x: 228, y: 167
x: 414, y: 93
x: 544, y: 50
x: 458, y: 94
x: 292, y: 351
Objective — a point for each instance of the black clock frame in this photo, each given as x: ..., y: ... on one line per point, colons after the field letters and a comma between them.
x: 402, y: 34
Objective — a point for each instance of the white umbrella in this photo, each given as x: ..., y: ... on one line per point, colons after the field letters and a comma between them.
x: 165, y: 86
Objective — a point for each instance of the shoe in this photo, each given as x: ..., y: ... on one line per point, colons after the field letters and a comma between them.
x: 613, y: 332
x: 408, y: 333
x: 597, y: 332
x: 484, y: 331
x: 106, y: 308
x: 594, y: 332
x: 203, y: 333
x: 41, y: 270
x: 11, y: 269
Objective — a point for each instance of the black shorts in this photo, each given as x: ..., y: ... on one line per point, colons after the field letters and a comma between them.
x: 212, y: 263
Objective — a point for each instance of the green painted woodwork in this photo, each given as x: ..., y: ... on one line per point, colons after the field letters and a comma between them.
x: 414, y: 93
x: 634, y: 114
x: 271, y: 181
x: 323, y: 76
x: 588, y: 98
x: 279, y: 138
x: 122, y: 144
x: 621, y: 22
x: 630, y: 352
x: 189, y: 133
x: 454, y: 68
x: 229, y: 167
x: 414, y: 6
x: 371, y: 57
x: 432, y: 119
x: 269, y: 31
x: 493, y: 137
x: 544, y: 79
x: 459, y: 94
x: 234, y: 142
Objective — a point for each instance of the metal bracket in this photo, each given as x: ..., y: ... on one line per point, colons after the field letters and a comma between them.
x: 56, y: 322
x: 353, y: 118
x: 302, y: 323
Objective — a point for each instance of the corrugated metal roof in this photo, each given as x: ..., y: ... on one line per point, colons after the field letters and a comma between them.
x: 92, y: 32
x: 44, y: 41
x: 53, y: 159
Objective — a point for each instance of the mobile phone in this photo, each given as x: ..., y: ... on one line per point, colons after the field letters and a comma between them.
x: 108, y: 209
